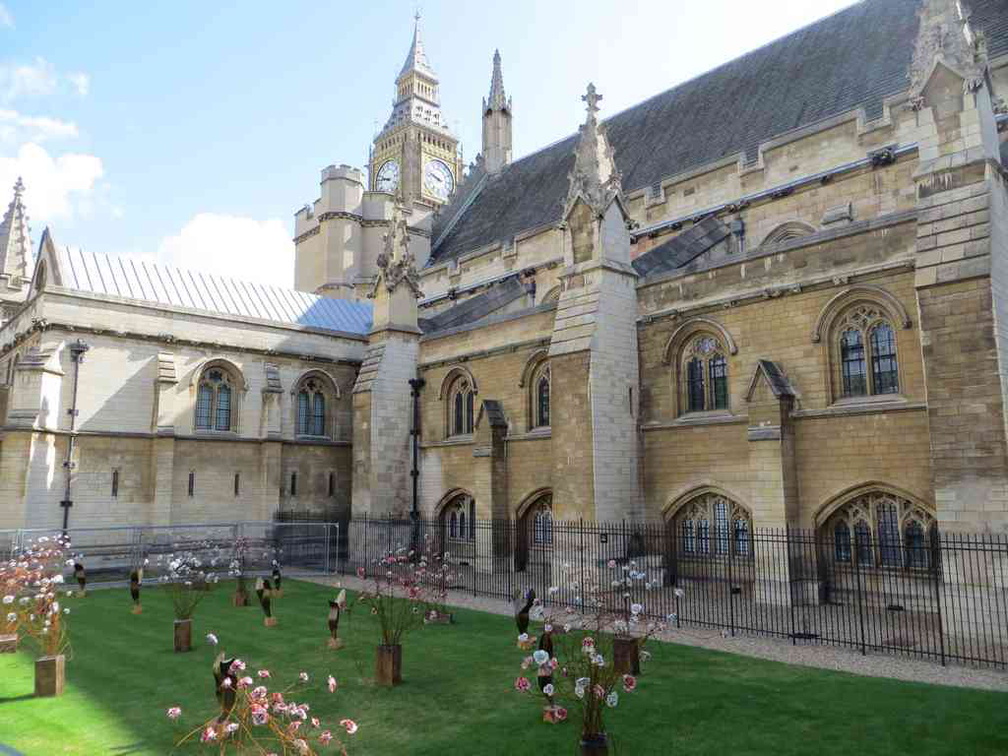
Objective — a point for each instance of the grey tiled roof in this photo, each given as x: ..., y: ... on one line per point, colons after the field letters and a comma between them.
x: 682, y: 248
x: 128, y: 278
x: 854, y: 58
x: 479, y: 306
x: 779, y: 385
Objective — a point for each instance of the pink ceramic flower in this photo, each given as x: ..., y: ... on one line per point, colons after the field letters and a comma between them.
x: 174, y: 712
x: 629, y: 683
x: 324, y: 737
x: 332, y: 684
x: 522, y: 684
x: 209, y: 735
x: 263, y: 673
x: 349, y: 725
x: 259, y: 715
x: 315, y: 722
x: 244, y: 683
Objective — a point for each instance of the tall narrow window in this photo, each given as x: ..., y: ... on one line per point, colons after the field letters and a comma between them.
x: 718, y: 368
x: 863, y: 541
x: 888, y: 534
x: 318, y: 415
x: 461, y: 403
x: 302, y: 421
x: 470, y: 405
x: 459, y: 413
x: 293, y: 485
x: 841, y: 542
x: 695, y: 385
x: 237, y: 484
x: 204, y: 401
x: 115, y: 483
x: 453, y: 525
x: 883, y: 354
x: 192, y: 483
x: 703, y: 541
x: 223, y: 408
x: 852, y: 363
x: 472, y: 519
x: 689, y: 545
x: 916, y: 551
x: 741, y: 537
x: 721, y: 525
x: 543, y: 397
x: 332, y: 485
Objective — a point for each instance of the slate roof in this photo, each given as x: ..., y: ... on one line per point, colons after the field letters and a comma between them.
x: 779, y: 385
x: 476, y: 307
x: 682, y: 248
x: 133, y: 279
x: 854, y: 58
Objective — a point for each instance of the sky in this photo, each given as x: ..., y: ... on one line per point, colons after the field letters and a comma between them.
x: 189, y: 132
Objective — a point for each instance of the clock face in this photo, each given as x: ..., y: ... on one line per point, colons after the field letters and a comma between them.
x: 388, y: 177
x: 438, y: 179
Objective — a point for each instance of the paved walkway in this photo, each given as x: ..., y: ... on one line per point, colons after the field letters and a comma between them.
x: 774, y: 649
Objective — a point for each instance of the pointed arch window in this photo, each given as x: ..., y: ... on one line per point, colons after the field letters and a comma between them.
x: 881, y: 529
x: 314, y: 397
x: 712, y: 525
x: 543, y: 400
x: 215, y: 400
x: 461, y: 404
x: 866, y: 353
x: 704, y: 374
x: 459, y: 516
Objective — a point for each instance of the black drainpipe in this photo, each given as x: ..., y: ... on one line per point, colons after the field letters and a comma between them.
x: 77, y: 350
x: 415, y: 385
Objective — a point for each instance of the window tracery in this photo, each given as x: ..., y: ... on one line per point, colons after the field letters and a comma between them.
x: 866, y: 352
x: 461, y: 407
x: 216, y: 405
x: 712, y: 525
x: 704, y: 374
x: 880, y: 529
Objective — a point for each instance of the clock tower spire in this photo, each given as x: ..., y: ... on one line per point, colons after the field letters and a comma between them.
x: 416, y: 155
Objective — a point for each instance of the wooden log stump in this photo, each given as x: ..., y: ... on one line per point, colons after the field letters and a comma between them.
x: 183, y: 635
x: 626, y: 656
x: 50, y: 675
x: 388, y: 665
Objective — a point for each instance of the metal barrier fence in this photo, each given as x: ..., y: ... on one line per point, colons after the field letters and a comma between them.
x: 108, y: 554
x: 940, y: 597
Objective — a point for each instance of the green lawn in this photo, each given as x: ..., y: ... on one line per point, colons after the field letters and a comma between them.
x: 457, y: 695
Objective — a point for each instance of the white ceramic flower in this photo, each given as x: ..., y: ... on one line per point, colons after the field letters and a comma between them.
x: 540, y: 657
x: 612, y: 700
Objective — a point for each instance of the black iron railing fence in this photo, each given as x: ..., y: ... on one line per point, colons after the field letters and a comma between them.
x: 944, y: 597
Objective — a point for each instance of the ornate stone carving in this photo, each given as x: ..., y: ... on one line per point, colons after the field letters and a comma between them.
x: 945, y: 36
x: 396, y: 264
x: 595, y: 179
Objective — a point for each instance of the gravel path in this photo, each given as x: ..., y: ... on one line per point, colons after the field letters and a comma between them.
x: 774, y: 649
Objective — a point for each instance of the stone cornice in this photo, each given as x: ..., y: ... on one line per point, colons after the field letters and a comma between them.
x: 42, y: 325
x: 232, y: 437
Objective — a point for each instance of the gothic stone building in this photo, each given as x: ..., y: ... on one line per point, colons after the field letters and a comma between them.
x: 775, y: 295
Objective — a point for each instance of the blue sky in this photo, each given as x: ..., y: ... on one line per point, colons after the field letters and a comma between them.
x: 189, y: 132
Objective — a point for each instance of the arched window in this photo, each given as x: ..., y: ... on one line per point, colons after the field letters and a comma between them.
x: 215, y: 400
x: 711, y: 524
x: 542, y: 522
x: 459, y: 516
x: 315, y: 400
x: 461, y: 403
x: 704, y: 374
x: 886, y: 530
x: 543, y: 400
x: 866, y: 352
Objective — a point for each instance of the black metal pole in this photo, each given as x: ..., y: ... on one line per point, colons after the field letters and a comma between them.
x: 415, y: 385
x: 77, y: 350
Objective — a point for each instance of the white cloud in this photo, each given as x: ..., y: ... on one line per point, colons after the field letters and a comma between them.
x: 80, y: 81
x: 17, y: 128
x: 31, y: 79
x: 233, y: 246
x: 6, y: 19
x: 55, y: 187
x: 39, y: 79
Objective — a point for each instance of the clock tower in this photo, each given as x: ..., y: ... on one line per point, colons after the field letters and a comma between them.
x: 416, y: 155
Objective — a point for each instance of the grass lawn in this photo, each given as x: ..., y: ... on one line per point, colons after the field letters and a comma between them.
x: 457, y: 696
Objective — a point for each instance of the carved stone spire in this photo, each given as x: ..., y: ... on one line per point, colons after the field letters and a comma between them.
x: 396, y: 264
x: 498, y: 100
x: 496, y: 121
x: 15, y: 238
x: 416, y: 59
x: 595, y: 179
x: 945, y: 36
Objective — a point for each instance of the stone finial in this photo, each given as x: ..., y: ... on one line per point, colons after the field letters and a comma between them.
x: 497, y: 100
x: 396, y: 264
x: 15, y: 236
x: 416, y: 58
x: 595, y: 179
x: 945, y: 36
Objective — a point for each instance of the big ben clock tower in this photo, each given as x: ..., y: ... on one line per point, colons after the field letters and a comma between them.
x: 415, y: 154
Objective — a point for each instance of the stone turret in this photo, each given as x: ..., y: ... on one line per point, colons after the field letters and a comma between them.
x: 15, y: 253
x: 496, y: 122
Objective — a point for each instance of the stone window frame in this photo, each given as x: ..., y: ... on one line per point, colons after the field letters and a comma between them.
x: 315, y: 383
x: 871, y: 526
x: 695, y: 530
x: 536, y: 371
x: 863, y: 309
x: 213, y: 375
x: 682, y: 347
x: 458, y: 392
x: 458, y: 518
x: 534, y: 519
